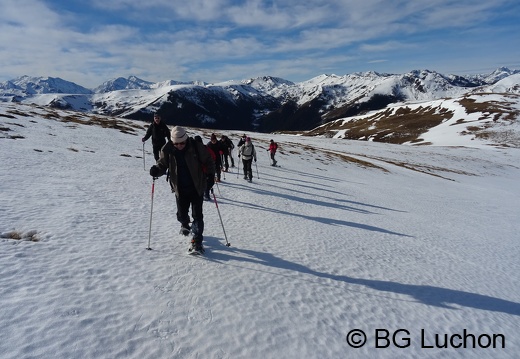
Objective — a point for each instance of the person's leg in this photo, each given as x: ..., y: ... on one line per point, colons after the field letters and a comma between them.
x: 244, y: 168
x: 249, y: 170
x: 197, y: 227
x: 156, y: 151
x: 218, y: 169
x: 231, y: 157
x: 183, y: 207
x: 226, y: 163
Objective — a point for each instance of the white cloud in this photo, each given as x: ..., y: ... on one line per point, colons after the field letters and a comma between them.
x: 173, y: 38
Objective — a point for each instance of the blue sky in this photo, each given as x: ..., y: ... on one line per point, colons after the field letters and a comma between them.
x: 89, y: 42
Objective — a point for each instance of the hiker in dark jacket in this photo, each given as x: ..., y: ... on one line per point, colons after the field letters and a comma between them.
x: 189, y: 164
x: 160, y: 134
x: 242, y: 140
x: 216, y: 147
x: 228, y: 145
x: 210, y: 179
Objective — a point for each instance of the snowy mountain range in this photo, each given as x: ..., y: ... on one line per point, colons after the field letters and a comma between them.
x: 268, y: 104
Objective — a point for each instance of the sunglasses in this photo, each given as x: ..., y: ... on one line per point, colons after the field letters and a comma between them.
x: 180, y: 143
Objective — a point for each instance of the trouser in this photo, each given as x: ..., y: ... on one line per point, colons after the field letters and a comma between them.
x: 225, y: 161
x: 218, y: 169
x: 272, y: 158
x: 248, y: 172
x: 157, y: 150
x: 231, y: 157
x: 184, y: 200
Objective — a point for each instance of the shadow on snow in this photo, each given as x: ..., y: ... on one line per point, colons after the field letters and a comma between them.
x: 425, y: 294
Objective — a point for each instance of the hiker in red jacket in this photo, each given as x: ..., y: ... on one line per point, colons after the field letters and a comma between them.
x: 273, y: 146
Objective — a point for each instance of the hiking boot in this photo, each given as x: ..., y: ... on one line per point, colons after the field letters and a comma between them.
x: 196, y: 247
x: 185, y: 230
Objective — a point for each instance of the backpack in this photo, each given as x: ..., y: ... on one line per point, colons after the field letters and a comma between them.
x: 248, y: 150
x: 211, y: 153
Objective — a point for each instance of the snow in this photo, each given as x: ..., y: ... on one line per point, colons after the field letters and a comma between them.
x: 417, y: 241
x: 509, y: 84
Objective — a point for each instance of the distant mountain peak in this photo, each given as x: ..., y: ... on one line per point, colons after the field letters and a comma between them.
x: 29, y: 85
x: 121, y: 83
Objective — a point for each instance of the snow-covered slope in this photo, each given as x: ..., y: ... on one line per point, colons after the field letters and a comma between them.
x: 474, y: 120
x: 510, y: 84
x: 345, y: 238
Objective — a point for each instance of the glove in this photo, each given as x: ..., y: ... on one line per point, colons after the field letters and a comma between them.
x: 238, y: 156
x: 143, y: 140
x: 255, y: 159
x: 155, y: 171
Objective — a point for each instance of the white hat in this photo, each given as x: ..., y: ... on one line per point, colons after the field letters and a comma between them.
x: 179, y: 134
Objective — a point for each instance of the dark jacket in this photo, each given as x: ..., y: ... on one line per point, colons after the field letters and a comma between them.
x: 242, y: 141
x: 198, y: 159
x: 227, y: 143
x: 160, y: 134
x: 217, y: 148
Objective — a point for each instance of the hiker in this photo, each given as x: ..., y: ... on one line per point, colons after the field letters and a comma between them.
x: 248, y: 154
x: 228, y: 145
x: 273, y: 146
x: 210, y: 179
x: 216, y: 147
x: 189, y: 164
x: 242, y: 140
x: 160, y: 134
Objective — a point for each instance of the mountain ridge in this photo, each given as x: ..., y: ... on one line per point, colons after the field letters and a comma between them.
x: 263, y: 104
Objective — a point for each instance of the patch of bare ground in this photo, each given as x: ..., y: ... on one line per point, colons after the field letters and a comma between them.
x: 31, y: 236
x: 492, y: 110
x: 81, y: 119
x: 120, y: 125
x: 491, y: 113
x: 19, y: 113
x: 395, y: 126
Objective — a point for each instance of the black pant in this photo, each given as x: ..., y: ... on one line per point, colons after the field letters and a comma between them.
x: 225, y: 161
x: 185, y: 199
x: 157, y: 150
x: 248, y: 172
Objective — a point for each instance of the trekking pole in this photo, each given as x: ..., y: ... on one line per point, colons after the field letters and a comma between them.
x: 238, y: 168
x: 144, y: 160
x: 257, y: 175
x: 218, y: 188
x: 222, y: 161
x: 219, y: 216
x: 151, y: 212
